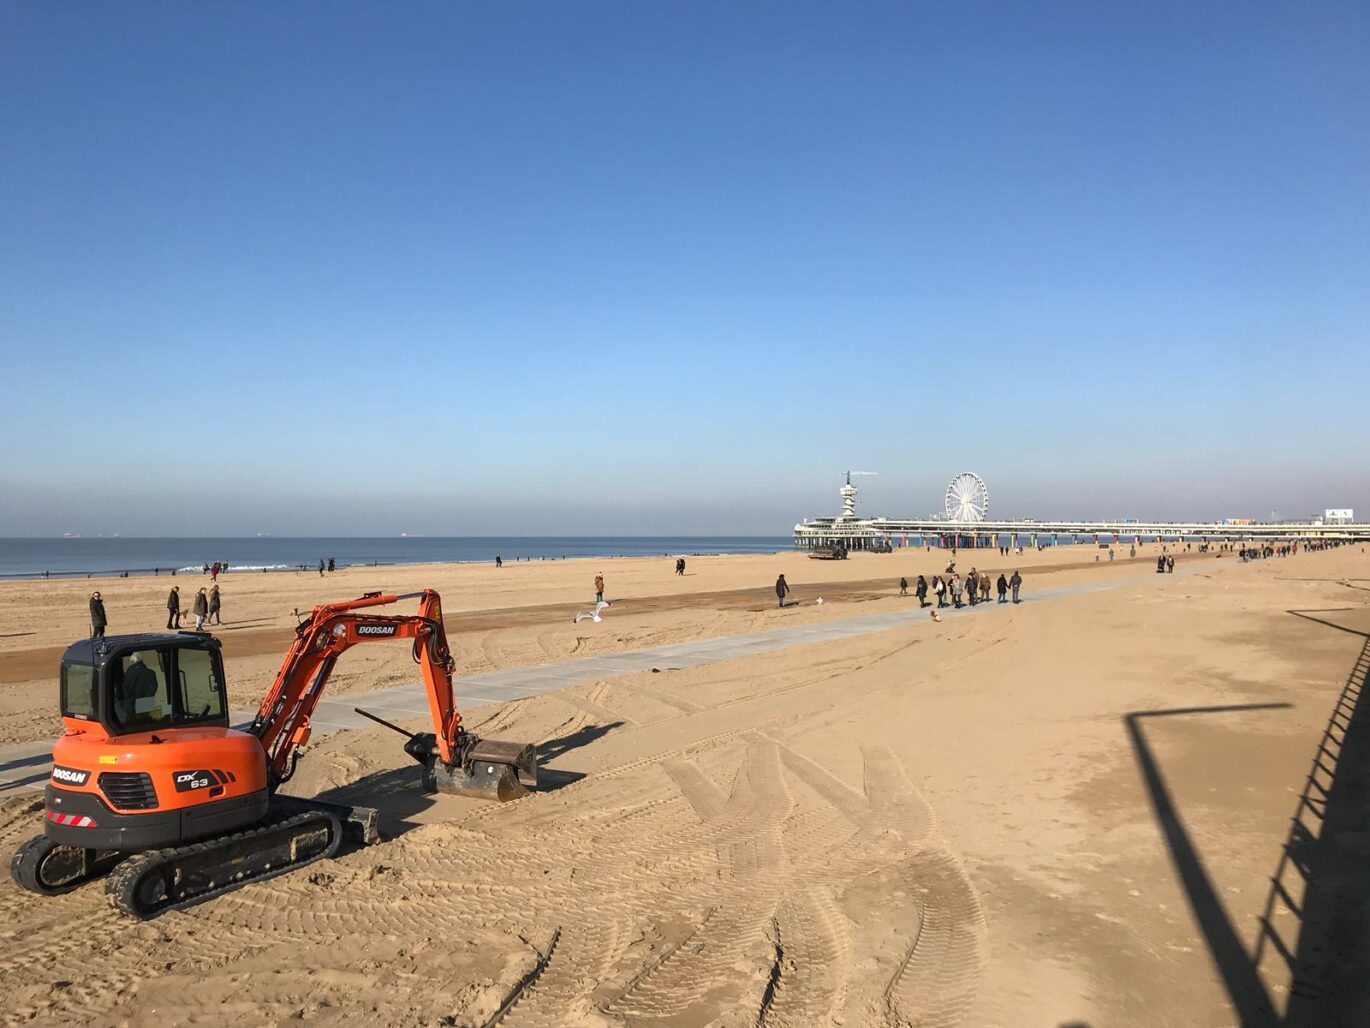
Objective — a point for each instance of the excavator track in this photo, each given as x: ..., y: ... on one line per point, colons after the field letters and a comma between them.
x: 42, y: 866
x: 156, y: 881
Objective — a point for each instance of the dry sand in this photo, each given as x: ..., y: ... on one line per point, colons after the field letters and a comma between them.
x: 938, y: 824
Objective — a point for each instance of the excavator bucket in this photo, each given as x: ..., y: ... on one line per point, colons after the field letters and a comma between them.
x: 498, y: 771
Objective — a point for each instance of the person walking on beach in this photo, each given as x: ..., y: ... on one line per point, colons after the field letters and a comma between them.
x: 903, y: 587
x: 956, y: 587
x: 97, y: 616
x: 939, y: 588
x: 973, y: 586
x: 214, y: 606
x: 173, y: 607
x: 1015, y: 583
x: 201, y: 609
x: 921, y: 591
x: 1003, y: 588
x: 499, y: 562
x: 782, y: 589
x: 984, y: 588
x: 321, y: 567
x: 599, y: 587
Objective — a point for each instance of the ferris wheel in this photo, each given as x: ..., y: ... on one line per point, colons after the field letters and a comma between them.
x: 967, y: 498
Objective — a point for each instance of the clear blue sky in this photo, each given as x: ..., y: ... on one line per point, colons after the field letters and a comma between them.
x: 318, y: 268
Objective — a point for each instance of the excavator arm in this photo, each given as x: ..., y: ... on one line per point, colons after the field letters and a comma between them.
x: 456, y: 761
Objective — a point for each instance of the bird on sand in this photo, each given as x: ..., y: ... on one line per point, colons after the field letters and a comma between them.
x: 593, y: 615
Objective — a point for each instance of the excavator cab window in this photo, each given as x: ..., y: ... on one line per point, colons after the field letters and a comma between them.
x: 158, y: 688
x: 78, y: 691
x: 138, y: 691
x: 202, y: 691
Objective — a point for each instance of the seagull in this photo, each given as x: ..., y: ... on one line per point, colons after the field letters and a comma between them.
x: 593, y: 615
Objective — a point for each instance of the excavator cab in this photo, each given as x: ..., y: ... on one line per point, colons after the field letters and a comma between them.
x: 141, y: 683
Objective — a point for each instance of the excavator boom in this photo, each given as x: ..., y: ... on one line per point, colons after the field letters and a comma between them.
x: 456, y: 761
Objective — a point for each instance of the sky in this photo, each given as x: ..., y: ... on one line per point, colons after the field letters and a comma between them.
x: 622, y: 268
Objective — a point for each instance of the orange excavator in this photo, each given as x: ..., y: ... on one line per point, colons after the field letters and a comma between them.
x: 151, y: 787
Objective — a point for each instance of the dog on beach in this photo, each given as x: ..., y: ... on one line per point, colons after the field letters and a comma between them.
x: 935, y: 615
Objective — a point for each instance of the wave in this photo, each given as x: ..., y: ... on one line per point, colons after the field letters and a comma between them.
x: 198, y: 569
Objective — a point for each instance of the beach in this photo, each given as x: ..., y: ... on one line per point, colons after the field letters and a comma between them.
x: 1062, y: 812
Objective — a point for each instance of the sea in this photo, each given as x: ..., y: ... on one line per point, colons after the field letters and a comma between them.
x: 78, y: 557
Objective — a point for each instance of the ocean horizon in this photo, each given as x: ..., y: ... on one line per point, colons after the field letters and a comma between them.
x: 115, y: 555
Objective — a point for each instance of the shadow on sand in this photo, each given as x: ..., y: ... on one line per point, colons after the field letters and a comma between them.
x: 1321, y: 936
x: 398, y: 793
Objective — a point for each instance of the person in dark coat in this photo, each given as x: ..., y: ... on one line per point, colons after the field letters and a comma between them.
x: 903, y: 587
x: 201, y: 609
x: 782, y: 589
x: 97, y: 616
x: 1003, y: 588
x: 173, y: 607
x: 973, y: 586
x: 921, y: 591
x: 214, y: 607
x: 1015, y: 583
x: 940, y: 588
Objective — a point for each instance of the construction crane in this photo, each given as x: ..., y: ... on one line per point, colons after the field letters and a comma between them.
x: 151, y: 787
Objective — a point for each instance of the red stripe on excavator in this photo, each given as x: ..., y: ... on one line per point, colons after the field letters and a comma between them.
x: 72, y: 820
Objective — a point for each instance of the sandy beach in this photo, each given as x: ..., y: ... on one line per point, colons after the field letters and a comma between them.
x: 1067, y: 812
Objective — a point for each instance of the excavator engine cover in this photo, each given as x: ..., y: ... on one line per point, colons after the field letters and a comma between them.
x: 494, y: 770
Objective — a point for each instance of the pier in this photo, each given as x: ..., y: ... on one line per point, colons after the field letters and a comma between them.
x: 968, y: 497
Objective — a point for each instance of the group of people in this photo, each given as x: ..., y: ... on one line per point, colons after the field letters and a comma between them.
x: 205, y: 608
x: 215, y: 569
x: 1165, y: 564
x: 1262, y: 552
x: 326, y: 563
x: 974, y: 588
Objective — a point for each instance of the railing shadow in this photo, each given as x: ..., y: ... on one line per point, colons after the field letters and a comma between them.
x: 1244, y: 987
x: 1317, y: 932
x: 1320, y: 937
